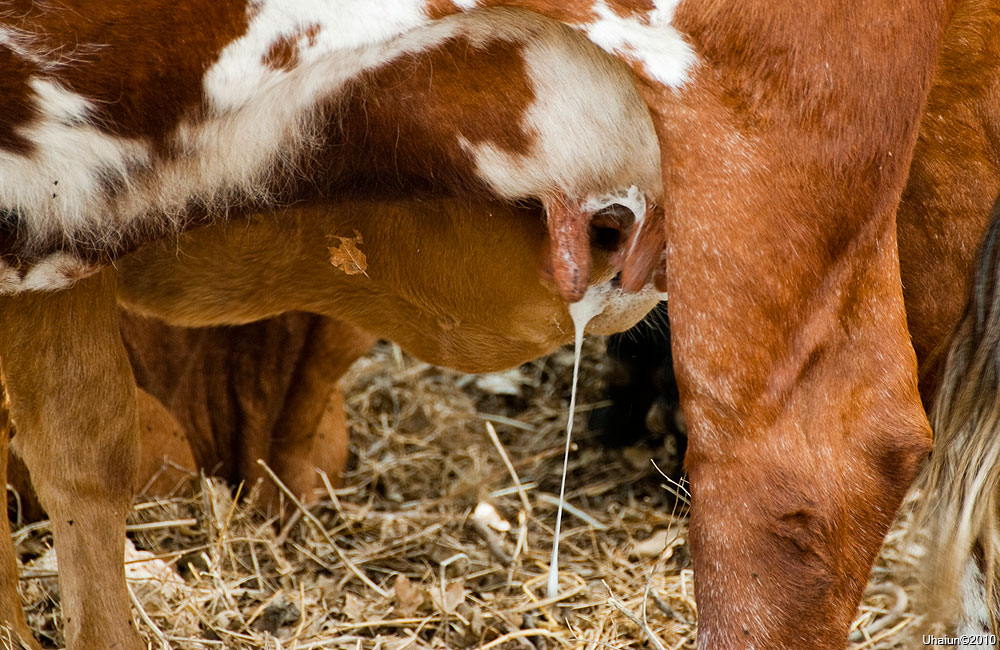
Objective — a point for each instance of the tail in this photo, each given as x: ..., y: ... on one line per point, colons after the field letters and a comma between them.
x: 959, y: 514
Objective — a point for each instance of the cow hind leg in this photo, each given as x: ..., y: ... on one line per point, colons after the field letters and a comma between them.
x: 72, y: 400
x: 311, y: 433
x: 167, y: 465
x: 11, y: 612
x: 330, y: 446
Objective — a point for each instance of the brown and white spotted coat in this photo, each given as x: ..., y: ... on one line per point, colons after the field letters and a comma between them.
x: 784, y: 134
x: 125, y: 122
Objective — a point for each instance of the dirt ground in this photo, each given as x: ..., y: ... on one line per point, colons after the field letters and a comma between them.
x: 439, y: 536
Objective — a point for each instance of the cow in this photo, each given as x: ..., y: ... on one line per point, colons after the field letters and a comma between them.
x: 219, y: 398
x: 468, y: 281
x: 437, y: 309
x: 783, y: 138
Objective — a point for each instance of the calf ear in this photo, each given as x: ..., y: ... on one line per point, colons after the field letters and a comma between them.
x: 568, y: 250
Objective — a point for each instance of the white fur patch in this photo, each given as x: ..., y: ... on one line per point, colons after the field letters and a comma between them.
x: 351, y: 36
x: 58, y: 186
x: 594, y: 136
x: 57, y: 271
x: 659, y: 48
x: 247, y: 95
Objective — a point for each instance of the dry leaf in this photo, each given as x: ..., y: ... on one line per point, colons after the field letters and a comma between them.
x: 454, y: 595
x: 408, y: 598
x: 347, y: 257
x: 354, y: 610
x: 657, y: 543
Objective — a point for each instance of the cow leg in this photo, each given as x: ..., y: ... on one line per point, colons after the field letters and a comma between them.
x: 11, y: 611
x: 311, y: 433
x: 805, y: 431
x: 796, y: 373
x: 166, y: 461
x: 166, y: 467
x: 72, y: 400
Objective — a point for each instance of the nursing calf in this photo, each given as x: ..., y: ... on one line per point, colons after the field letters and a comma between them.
x: 219, y: 398
x: 454, y: 284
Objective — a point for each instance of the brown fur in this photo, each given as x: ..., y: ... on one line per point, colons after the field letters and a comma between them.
x: 87, y: 490
x: 217, y: 399
x: 11, y: 611
x: 783, y: 162
x: 265, y: 390
x: 953, y: 181
x: 152, y: 98
x: 427, y: 264
x: 427, y: 267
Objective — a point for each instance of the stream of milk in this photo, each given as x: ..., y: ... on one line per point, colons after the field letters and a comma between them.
x: 592, y: 304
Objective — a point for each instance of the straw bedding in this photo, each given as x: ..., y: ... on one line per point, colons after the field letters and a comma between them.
x: 431, y: 542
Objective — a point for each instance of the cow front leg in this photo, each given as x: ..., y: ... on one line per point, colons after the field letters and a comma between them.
x: 72, y: 400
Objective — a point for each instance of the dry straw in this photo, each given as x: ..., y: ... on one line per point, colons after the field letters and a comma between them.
x: 395, y: 560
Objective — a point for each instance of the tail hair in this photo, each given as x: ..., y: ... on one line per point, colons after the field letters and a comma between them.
x: 958, y: 516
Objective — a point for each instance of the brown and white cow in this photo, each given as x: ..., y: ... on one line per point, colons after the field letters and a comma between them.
x: 454, y: 280
x: 784, y: 138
